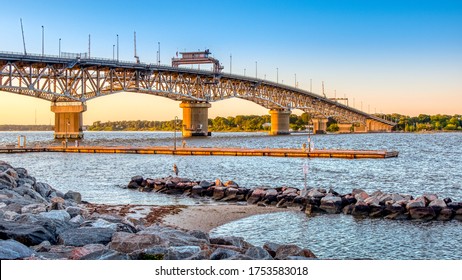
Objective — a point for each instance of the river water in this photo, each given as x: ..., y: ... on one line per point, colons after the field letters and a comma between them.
x: 427, y: 163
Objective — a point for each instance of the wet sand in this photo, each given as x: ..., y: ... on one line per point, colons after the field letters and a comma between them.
x: 207, y: 217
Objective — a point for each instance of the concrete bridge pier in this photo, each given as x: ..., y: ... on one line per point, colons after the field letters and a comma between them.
x: 279, y: 121
x: 195, y: 118
x: 319, y: 125
x: 68, y: 119
x: 344, y: 127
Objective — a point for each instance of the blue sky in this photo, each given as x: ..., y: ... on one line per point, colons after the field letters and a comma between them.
x: 390, y: 56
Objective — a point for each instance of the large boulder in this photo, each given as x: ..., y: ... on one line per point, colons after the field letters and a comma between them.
x: 271, y: 248
x: 238, y: 242
x: 422, y: 213
x: 222, y: 254
x: 175, y: 237
x: 417, y: 203
x: 361, y: 209
x: 60, y: 215
x: 445, y: 214
x: 257, y: 195
x: 219, y: 192
x: 86, y: 235
x: 181, y: 252
x: 331, y: 204
x: 75, y: 196
x: 258, y: 253
x: 12, y: 250
x: 285, y: 251
x: 105, y: 254
x: 27, y: 234
x: 437, y: 205
x: 129, y: 242
x: 231, y: 194
x: 80, y: 252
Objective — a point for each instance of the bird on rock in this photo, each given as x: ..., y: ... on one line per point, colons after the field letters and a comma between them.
x: 175, y: 169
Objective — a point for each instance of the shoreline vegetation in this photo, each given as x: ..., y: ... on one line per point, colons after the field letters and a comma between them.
x: 254, y: 123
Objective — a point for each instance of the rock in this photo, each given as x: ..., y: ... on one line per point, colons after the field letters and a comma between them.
x: 197, y: 191
x: 45, y: 246
x: 43, y: 189
x: 445, y: 214
x: 218, y: 183
x: 173, y: 237
x: 7, y: 180
x: 437, y: 205
x: 231, y: 184
x: 372, y: 201
x: 200, y: 235
x: 82, y: 236
x: 396, y: 197
x: 231, y: 240
x: 60, y: 215
x: 289, y: 190
x: 105, y: 255
x: 361, y: 196
x: 9, y: 215
x: 361, y: 209
x: 422, y: 213
x: 57, y: 203
x: 258, y: 253
x: 34, y: 208
x: 219, y: 192
x: 271, y: 248
x: 129, y: 242
x: 133, y: 186
x: 221, y: 254
x: 12, y: 250
x: 347, y: 210
x: 230, y: 194
x: 331, y: 204
x: 458, y: 215
x: 455, y: 205
x: 80, y: 252
x: 27, y: 192
x: 27, y: 234
x: 181, y: 252
x: 299, y: 200
x: 76, y: 211
x: 397, y: 216
x: 282, y: 203
x: 205, y: 184
x: 285, y: 251
x: 78, y: 220
x: 256, y: 196
x: 137, y: 180
x: 202, y: 255
x: 418, y: 203
x: 430, y: 197
x: 75, y: 196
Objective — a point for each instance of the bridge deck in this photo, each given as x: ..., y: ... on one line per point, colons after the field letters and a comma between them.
x: 212, y: 151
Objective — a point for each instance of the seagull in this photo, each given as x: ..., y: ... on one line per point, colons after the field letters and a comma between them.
x: 175, y: 169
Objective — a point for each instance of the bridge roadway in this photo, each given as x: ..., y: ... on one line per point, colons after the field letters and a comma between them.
x: 68, y: 82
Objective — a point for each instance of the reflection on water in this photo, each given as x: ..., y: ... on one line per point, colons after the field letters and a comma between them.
x: 427, y: 163
x: 344, y: 237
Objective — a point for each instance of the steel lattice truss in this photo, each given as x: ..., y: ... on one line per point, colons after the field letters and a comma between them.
x: 70, y: 80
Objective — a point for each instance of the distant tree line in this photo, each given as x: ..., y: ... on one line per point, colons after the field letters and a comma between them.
x: 18, y: 127
x: 261, y: 123
x: 425, y: 122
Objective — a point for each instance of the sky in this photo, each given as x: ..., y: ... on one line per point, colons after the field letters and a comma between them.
x: 384, y: 56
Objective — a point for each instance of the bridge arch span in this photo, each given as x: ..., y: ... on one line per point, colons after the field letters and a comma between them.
x: 62, y: 80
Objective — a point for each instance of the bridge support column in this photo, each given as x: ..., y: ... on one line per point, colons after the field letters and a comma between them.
x: 344, y: 127
x: 195, y: 118
x: 319, y: 125
x: 68, y: 119
x: 280, y: 121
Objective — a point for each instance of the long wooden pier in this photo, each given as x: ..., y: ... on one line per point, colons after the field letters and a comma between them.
x: 211, y: 151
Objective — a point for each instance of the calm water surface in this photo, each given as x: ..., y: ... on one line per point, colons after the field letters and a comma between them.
x: 427, y: 163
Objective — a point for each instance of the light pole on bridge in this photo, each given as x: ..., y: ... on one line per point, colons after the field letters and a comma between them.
x: 59, y: 47
x: 277, y: 75
x: 113, y: 52
x: 43, y: 40
x: 230, y: 63
x: 117, y: 47
x: 256, y: 68
x: 244, y: 72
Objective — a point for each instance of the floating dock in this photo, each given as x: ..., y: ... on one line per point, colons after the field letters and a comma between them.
x: 211, y: 151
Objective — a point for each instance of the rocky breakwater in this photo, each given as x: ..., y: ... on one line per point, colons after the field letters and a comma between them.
x: 40, y: 222
x: 313, y: 201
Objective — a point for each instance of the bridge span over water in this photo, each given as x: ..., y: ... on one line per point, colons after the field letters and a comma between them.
x: 68, y: 82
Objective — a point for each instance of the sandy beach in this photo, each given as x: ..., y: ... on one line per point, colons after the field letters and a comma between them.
x: 207, y: 217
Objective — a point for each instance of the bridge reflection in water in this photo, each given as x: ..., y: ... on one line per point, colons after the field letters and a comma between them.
x: 68, y: 82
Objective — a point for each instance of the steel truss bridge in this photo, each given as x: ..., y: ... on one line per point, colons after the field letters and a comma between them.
x: 79, y: 79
